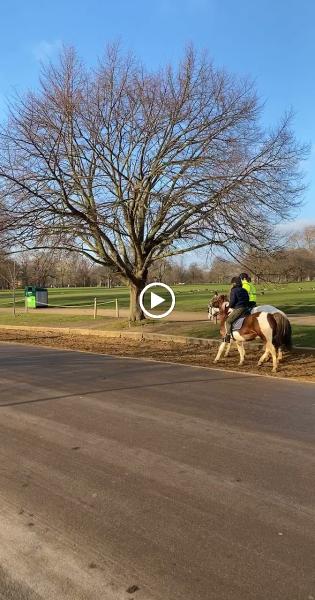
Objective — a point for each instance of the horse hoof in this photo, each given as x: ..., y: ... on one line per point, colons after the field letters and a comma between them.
x: 274, y: 370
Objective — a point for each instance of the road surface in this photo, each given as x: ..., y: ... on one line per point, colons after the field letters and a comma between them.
x: 126, y: 479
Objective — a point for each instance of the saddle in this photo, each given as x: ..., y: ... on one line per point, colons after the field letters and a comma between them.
x: 236, y: 326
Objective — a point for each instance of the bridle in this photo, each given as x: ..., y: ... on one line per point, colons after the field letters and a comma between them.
x: 217, y: 306
x: 213, y: 311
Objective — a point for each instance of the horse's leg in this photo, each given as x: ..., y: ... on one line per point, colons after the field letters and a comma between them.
x: 220, y: 352
x: 266, y: 324
x: 280, y: 354
x: 270, y: 349
x: 228, y: 348
x: 264, y: 357
x: 274, y: 356
x: 241, y: 350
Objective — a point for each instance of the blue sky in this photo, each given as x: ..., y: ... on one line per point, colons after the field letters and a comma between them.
x: 272, y: 41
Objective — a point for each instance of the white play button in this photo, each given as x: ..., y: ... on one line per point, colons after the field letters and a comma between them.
x: 156, y: 300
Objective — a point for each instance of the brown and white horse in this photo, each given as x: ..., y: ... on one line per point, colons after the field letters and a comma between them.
x: 273, y: 328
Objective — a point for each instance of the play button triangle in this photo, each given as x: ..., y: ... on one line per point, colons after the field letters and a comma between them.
x: 156, y: 300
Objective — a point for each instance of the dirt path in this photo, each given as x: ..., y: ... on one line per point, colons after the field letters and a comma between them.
x: 179, y: 316
x: 297, y: 364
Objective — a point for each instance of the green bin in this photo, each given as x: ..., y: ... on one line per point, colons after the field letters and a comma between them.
x: 36, y: 297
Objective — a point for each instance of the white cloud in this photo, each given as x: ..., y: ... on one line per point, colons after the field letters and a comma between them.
x: 44, y: 50
x: 297, y: 225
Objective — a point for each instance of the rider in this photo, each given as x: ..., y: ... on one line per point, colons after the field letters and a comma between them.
x: 239, y: 301
x: 210, y: 303
x: 250, y: 287
x: 214, y: 298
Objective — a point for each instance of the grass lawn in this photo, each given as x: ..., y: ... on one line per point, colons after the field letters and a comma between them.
x: 41, y: 318
x: 292, y: 298
x: 303, y: 335
x: 77, y: 297
x: 289, y: 298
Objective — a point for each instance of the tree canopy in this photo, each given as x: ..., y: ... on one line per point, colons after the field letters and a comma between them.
x: 129, y: 166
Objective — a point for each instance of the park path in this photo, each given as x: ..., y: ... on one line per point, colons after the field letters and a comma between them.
x: 176, y: 315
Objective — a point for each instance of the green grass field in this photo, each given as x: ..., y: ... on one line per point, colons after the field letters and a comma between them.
x: 302, y: 335
x: 188, y: 298
x: 289, y: 298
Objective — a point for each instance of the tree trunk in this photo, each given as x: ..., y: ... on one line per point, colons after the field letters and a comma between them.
x: 136, y: 313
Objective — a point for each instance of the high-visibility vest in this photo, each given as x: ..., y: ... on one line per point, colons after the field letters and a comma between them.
x: 250, y: 288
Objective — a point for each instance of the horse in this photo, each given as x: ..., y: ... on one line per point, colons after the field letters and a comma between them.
x: 212, y: 312
x: 212, y: 309
x: 271, y: 325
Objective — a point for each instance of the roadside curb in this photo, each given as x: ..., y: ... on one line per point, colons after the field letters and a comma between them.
x: 136, y: 335
x: 272, y: 376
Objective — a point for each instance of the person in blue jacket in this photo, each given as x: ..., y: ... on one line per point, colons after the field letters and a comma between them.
x: 239, y: 301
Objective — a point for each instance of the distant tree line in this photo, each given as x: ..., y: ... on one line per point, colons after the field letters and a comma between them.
x: 293, y: 262
x: 54, y: 269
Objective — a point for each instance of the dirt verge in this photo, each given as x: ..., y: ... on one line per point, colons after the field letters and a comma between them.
x: 298, y: 365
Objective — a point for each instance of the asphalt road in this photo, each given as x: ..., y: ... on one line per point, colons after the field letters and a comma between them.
x: 187, y: 483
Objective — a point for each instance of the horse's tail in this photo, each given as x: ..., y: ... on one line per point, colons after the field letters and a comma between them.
x: 282, y: 333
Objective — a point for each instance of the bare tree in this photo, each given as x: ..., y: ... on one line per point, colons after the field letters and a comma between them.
x: 9, y: 277
x: 130, y: 167
x: 304, y: 238
x: 222, y: 270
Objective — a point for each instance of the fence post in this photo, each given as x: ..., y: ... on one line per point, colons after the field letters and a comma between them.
x: 26, y: 305
x: 95, y: 308
x: 117, y: 308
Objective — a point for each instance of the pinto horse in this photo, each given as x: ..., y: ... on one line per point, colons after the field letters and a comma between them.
x: 271, y: 326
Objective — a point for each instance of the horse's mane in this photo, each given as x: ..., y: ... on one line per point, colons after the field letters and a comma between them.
x: 218, y: 300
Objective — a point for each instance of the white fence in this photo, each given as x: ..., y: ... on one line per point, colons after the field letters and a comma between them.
x: 94, y: 305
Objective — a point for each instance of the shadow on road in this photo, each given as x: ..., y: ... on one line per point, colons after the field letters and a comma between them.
x: 121, y: 388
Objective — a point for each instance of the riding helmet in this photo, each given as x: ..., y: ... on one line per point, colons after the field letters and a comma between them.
x: 236, y: 280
